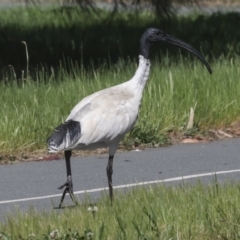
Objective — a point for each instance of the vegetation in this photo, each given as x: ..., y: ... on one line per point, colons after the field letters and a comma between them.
x: 31, y: 109
x: 160, y: 7
x: 68, y: 61
x: 72, y: 55
x: 181, y: 212
x: 64, y: 34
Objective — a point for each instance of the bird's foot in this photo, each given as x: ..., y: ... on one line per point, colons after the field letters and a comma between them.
x: 68, y: 189
x: 68, y: 184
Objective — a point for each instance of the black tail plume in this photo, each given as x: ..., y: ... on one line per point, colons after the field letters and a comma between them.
x: 65, y: 135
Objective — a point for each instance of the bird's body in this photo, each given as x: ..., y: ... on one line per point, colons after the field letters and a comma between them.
x: 103, y: 118
x: 107, y: 115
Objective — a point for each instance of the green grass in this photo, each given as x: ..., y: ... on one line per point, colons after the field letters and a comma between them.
x: 30, y: 110
x: 55, y: 33
x: 184, y: 211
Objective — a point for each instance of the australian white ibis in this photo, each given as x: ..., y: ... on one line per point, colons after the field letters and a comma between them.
x: 103, y: 118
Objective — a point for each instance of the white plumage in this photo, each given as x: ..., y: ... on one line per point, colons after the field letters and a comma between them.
x: 103, y: 118
x: 106, y: 116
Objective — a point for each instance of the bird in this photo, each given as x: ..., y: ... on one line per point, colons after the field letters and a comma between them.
x: 102, y: 119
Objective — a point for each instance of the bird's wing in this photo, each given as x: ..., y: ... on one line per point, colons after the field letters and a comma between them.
x: 104, y: 116
x: 85, y: 101
x: 108, y: 116
x: 68, y: 133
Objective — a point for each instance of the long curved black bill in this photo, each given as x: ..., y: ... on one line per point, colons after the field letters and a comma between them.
x: 177, y: 42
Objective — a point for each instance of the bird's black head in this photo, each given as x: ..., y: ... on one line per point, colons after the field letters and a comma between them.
x: 154, y: 35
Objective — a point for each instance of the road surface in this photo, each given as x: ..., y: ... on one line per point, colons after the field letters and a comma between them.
x: 35, y: 183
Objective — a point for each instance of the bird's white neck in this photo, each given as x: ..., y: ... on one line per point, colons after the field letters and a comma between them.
x: 140, y: 77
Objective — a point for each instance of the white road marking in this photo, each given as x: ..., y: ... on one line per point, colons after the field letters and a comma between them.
x: 124, y: 186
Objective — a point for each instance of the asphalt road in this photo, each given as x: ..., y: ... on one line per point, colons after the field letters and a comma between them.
x: 35, y: 183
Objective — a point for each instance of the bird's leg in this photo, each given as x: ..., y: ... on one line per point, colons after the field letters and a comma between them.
x: 68, y: 184
x: 109, y: 175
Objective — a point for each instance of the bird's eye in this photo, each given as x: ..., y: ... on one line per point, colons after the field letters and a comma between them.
x: 158, y: 33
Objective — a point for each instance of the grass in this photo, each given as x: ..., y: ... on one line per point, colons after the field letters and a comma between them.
x: 31, y: 107
x: 34, y: 99
x: 55, y: 33
x: 183, y: 211
x: 30, y: 110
